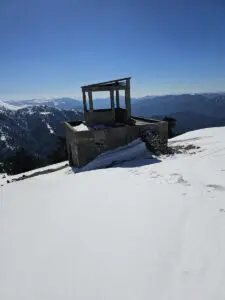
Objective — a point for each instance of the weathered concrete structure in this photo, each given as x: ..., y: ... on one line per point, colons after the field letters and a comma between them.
x: 106, y: 129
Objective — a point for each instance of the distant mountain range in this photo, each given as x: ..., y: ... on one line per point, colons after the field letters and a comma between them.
x: 65, y: 103
x: 206, y: 103
x: 35, y: 124
x: 209, y: 104
x: 192, y: 111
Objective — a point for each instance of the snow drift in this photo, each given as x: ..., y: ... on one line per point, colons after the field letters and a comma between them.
x: 117, y: 156
x: 143, y: 230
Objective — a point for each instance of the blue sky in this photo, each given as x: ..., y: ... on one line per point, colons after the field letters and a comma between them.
x: 52, y: 47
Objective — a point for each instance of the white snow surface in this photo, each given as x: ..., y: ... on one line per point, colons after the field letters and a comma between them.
x: 84, y: 127
x: 149, y: 228
x: 81, y: 127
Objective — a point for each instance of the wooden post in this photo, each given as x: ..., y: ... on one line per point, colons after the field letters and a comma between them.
x: 112, y: 99
x: 84, y: 101
x: 127, y: 98
x: 117, y: 98
x: 112, y: 103
x: 90, y: 100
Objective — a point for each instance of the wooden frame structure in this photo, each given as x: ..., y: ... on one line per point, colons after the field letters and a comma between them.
x: 115, y: 114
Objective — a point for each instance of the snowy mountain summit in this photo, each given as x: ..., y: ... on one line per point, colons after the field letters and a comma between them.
x: 66, y: 103
x: 5, y: 105
x: 146, y: 228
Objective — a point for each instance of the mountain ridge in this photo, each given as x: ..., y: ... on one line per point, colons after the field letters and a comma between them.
x: 57, y: 102
x: 33, y: 128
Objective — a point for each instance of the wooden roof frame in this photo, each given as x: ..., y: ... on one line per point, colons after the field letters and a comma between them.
x: 116, y: 84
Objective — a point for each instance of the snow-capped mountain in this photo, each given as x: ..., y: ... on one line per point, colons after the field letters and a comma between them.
x: 5, y: 105
x: 65, y: 103
x: 148, y: 228
x: 34, y: 128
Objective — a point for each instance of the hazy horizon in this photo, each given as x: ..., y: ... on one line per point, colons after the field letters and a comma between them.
x: 104, y: 97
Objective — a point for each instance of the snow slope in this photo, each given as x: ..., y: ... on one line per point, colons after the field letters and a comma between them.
x: 5, y: 105
x: 143, y: 229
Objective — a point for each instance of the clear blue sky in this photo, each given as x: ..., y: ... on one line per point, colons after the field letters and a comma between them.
x: 52, y: 47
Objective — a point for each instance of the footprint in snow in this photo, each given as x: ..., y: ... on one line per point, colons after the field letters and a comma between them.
x: 178, y: 178
x: 154, y: 175
x: 221, y: 210
x: 215, y: 187
x: 135, y: 172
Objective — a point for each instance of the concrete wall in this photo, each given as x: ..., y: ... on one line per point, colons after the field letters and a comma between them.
x: 100, y: 116
x: 84, y: 146
x: 106, y: 116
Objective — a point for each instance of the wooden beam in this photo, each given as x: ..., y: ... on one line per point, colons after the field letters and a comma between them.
x: 110, y: 81
x: 90, y: 100
x: 112, y: 103
x: 117, y: 98
x: 103, y: 88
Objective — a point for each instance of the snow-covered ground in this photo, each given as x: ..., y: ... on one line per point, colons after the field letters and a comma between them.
x: 84, y: 127
x: 149, y: 228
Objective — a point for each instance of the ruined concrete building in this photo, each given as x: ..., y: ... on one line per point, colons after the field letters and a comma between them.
x: 106, y: 129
